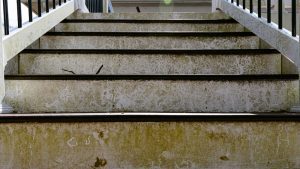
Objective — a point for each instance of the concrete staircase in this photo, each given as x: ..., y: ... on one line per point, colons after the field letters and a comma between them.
x: 150, y: 91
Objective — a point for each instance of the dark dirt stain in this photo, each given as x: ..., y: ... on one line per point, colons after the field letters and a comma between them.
x: 101, y: 134
x: 100, y: 162
x: 224, y: 158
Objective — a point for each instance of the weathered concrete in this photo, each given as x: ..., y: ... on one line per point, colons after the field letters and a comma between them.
x: 146, y: 27
x: 148, y: 42
x: 12, y: 66
x: 214, y: 145
x: 151, y: 96
x: 153, y: 16
x: 31, y: 63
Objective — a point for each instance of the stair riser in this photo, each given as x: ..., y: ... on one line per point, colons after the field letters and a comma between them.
x: 151, y: 95
x: 145, y: 27
x: 157, y: 145
x: 149, y: 64
x: 150, y: 42
x: 149, y: 16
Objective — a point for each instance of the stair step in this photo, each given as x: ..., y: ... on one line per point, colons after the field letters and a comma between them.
x: 152, y: 93
x: 150, y: 16
x: 149, y: 40
x: 57, y: 61
x: 203, y: 144
x: 133, y: 25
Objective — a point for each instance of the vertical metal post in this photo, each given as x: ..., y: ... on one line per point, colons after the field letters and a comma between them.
x: 251, y: 6
x: 39, y: 8
x: 259, y: 8
x: 19, y: 14
x: 30, y: 10
x: 294, y: 21
x: 47, y: 6
x: 279, y: 14
x: 54, y: 4
x: 238, y: 2
x: 5, y: 17
x: 269, y: 11
x: 244, y: 4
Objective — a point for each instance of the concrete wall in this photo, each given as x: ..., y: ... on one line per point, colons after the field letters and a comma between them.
x: 183, y: 145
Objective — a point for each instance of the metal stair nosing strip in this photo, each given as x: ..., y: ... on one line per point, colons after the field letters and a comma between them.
x: 241, y: 52
x: 178, y: 34
x: 148, y: 117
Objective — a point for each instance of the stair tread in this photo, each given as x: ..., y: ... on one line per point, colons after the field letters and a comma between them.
x: 194, y: 21
x: 173, y: 77
x: 147, y: 117
x: 152, y: 51
x: 206, y: 34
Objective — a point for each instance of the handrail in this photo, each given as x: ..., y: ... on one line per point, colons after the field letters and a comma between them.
x: 14, y: 41
x: 285, y: 41
x: 30, y: 11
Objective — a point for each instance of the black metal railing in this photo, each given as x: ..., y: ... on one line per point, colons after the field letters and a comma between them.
x: 269, y: 12
x: 94, y: 6
x: 39, y: 12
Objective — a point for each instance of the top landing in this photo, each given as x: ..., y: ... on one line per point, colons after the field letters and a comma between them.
x: 151, y: 16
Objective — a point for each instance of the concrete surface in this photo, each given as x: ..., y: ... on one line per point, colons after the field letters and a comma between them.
x: 150, y: 64
x: 194, y: 145
x: 147, y: 27
x: 151, y: 95
x: 149, y: 42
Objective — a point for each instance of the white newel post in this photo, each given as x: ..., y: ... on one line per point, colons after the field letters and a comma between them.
x: 4, y: 108
x: 105, y: 6
x: 215, y: 4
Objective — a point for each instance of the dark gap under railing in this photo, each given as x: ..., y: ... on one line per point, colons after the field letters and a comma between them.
x: 269, y: 12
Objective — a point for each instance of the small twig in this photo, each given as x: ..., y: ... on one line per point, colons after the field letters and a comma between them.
x: 138, y: 9
x: 68, y: 71
x: 99, y: 69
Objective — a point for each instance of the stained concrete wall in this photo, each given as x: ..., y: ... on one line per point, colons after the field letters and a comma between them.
x: 210, y: 145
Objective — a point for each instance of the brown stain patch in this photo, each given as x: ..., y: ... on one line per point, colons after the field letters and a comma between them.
x: 100, y: 162
x: 224, y: 158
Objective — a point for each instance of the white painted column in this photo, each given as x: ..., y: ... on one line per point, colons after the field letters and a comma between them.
x: 4, y: 108
x: 214, y: 5
x: 105, y: 6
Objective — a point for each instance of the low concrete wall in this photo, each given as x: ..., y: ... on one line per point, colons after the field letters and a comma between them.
x: 192, y: 145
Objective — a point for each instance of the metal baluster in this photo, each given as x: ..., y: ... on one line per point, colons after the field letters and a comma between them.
x: 259, y: 8
x: 54, y: 5
x: 19, y: 13
x: 251, y: 6
x: 269, y: 11
x: 294, y: 21
x: 279, y: 14
x: 39, y: 8
x: 30, y: 10
x: 5, y: 16
x: 47, y: 6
